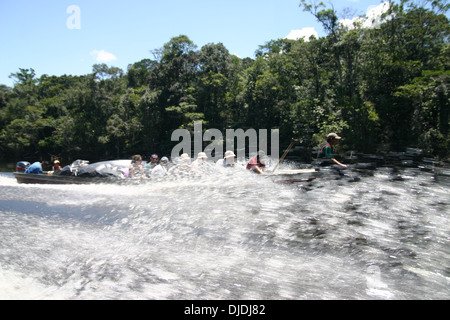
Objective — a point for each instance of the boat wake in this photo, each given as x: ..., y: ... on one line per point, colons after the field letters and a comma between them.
x: 237, y: 236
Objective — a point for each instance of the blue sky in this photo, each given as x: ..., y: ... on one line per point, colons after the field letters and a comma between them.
x: 52, y: 38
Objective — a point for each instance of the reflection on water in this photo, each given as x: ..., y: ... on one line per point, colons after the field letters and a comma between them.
x: 236, y: 236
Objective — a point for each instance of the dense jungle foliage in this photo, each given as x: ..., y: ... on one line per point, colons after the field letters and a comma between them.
x: 383, y: 88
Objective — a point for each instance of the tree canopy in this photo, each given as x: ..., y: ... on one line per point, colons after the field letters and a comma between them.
x: 382, y: 88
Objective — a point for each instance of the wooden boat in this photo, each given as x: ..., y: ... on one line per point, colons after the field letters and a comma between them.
x: 351, y: 174
x: 294, y: 172
x: 293, y: 176
x: 79, y: 172
x: 54, y: 179
x: 30, y: 178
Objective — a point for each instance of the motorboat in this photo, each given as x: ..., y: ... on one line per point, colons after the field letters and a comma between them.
x: 79, y: 172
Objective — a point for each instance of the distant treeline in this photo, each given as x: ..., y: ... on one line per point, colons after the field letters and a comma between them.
x: 383, y: 88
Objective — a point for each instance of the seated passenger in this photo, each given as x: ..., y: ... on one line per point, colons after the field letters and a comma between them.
x: 56, y: 166
x: 136, y: 170
x: 37, y: 167
x: 160, y: 170
x: 183, y: 168
x: 256, y: 164
x: 151, y: 165
x: 200, y: 165
x: 227, y: 161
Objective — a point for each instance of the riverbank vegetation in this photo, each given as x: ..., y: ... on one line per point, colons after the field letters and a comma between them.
x: 384, y: 87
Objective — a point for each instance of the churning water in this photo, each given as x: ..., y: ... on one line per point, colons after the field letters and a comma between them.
x: 232, y: 236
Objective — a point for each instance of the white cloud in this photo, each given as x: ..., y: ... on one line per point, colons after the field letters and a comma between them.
x: 372, y: 19
x: 103, y: 56
x: 374, y: 14
x: 305, y: 33
x: 349, y: 23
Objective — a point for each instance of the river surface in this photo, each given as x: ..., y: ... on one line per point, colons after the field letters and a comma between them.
x: 232, y: 236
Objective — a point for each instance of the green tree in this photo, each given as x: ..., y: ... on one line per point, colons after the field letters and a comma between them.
x: 382, y: 88
x: 138, y: 73
x: 172, y: 77
x: 214, y: 75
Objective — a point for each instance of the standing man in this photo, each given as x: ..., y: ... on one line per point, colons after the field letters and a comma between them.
x: 327, y: 151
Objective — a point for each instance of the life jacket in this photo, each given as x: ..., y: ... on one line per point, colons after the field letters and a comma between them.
x: 324, y: 162
x: 326, y: 144
x: 255, y: 162
x: 227, y: 165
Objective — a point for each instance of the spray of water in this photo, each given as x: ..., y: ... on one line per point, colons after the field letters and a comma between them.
x: 228, y: 236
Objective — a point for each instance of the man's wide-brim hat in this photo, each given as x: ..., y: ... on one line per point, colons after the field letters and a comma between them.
x: 229, y: 154
x: 333, y: 136
x: 202, y: 155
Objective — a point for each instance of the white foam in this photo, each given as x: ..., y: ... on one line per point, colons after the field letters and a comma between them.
x: 17, y: 286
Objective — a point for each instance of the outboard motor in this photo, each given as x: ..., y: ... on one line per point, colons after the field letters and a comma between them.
x: 21, y: 166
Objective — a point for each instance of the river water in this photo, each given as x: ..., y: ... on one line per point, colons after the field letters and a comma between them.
x: 231, y: 236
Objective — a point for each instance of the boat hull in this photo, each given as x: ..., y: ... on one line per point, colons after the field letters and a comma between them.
x: 294, y: 176
x: 55, y: 179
